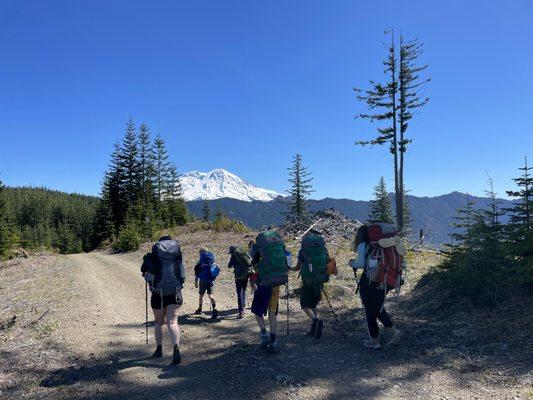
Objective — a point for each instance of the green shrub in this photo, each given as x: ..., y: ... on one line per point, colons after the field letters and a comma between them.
x: 128, y: 239
x: 225, y: 224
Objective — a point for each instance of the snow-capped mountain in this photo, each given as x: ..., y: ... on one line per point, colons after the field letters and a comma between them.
x: 220, y: 183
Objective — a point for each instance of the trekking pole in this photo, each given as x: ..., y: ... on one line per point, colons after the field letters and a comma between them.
x: 334, y: 315
x: 287, y: 298
x: 146, y: 310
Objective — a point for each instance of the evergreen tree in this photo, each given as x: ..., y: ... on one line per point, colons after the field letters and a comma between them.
x: 146, y: 166
x: 407, y: 221
x: 113, y: 191
x: 300, y: 180
x: 131, y: 168
x: 520, y: 227
x: 161, y: 168
x: 5, y: 232
x: 380, y: 207
x: 206, y: 212
x: 393, y: 103
x: 410, y: 84
x: 176, y: 208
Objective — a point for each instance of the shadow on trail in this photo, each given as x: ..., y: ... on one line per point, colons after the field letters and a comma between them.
x: 226, y: 364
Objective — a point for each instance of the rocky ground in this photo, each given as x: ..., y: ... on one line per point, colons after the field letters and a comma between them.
x: 78, y: 334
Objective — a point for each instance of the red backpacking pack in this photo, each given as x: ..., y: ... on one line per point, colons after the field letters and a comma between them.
x: 384, y: 264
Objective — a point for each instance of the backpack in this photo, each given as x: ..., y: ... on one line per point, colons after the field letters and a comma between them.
x: 384, y: 265
x: 209, y: 270
x: 244, y: 262
x: 315, y: 267
x: 272, y: 267
x: 165, y: 251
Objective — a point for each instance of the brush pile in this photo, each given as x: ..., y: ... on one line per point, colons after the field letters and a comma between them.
x: 330, y: 223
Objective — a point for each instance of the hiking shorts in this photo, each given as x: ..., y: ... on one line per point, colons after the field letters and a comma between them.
x: 266, y: 298
x: 159, y: 303
x: 206, y: 287
x: 310, y: 295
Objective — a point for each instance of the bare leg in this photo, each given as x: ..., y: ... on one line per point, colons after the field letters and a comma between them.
x: 273, y: 322
x: 310, y: 312
x: 261, y: 322
x: 159, y: 318
x: 172, y: 312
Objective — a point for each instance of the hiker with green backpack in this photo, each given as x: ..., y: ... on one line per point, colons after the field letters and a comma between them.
x: 312, y: 263
x: 269, y: 258
x: 241, y: 262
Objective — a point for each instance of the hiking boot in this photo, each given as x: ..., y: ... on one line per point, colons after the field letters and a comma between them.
x: 313, y: 327
x: 396, y: 335
x: 176, y: 356
x: 241, y: 315
x: 214, y: 313
x: 158, y: 353
x: 265, y: 341
x: 372, y: 343
x: 272, y: 347
x: 198, y: 311
x: 318, y: 329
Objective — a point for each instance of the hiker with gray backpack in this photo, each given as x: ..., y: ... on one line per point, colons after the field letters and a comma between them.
x: 163, y: 269
x: 312, y: 264
x: 270, y: 262
x: 380, y: 254
x: 241, y: 262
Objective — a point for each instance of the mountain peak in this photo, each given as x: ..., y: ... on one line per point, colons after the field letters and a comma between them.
x: 220, y: 183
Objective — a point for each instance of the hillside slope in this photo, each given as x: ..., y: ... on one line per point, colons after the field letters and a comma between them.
x: 434, y: 214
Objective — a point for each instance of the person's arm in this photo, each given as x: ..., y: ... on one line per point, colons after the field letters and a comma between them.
x: 360, y: 262
x: 231, y: 263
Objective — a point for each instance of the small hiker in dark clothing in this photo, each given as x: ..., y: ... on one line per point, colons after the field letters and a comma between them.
x: 372, y: 295
x: 241, y: 262
x: 205, y: 273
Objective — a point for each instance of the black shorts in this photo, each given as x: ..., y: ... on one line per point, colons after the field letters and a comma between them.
x: 206, y: 287
x: 310, y: 295
x: 159, y: 303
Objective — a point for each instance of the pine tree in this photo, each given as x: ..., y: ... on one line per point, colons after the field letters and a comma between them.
x: 129, y: 161
x: 300, y: 180
x: 393, y: 103
x: 406, y: 215
x: 380, y: 207
x: 113, y: 191
x: 5, y: 232
x: 161, y: 168
x: 146, y: 158
x: 206, y: 212
x: 410, y: 84
x: 176, y: 208
x: 519, y: 230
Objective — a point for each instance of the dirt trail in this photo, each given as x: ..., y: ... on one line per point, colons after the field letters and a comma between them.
x: 103, y: 337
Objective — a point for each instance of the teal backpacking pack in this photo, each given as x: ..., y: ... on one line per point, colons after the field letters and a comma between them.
x: 245, y: 262
x: 315, y: 267
x: 272, y: 267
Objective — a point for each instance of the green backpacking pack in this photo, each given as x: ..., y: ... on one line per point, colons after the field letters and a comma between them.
x: 315, y: 266
x: 245, y: 262
x: 272, y: 267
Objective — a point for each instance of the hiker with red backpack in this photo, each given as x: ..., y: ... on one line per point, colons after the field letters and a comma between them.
x: 312, y: 264
x: 380, y: 255
x: 241, y: 263
x: 270, y: 262
x: 205, y: 274
x: 163, y: 269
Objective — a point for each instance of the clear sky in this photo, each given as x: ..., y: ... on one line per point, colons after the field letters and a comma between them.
x: 243, y: 85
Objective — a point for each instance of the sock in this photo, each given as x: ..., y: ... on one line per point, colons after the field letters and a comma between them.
x: 263, y: 331
x: 272, y: 337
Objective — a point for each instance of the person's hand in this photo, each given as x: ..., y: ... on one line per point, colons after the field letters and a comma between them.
x: 352, y: 263
x: 196, y: 284
x: 148, y: 277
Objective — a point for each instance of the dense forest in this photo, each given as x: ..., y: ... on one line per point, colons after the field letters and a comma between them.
x: 38, y: 218
x: 140, y: 195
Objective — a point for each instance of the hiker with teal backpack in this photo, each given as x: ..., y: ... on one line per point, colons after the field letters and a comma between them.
x: 205, y: 274
x: 312, y: 263
x: 163, y: 269
x: 380, y: 255
x: 241, y: 262
x: 270, y: 262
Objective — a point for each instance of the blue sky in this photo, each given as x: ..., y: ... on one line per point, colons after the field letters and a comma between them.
x: 244, y: 85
